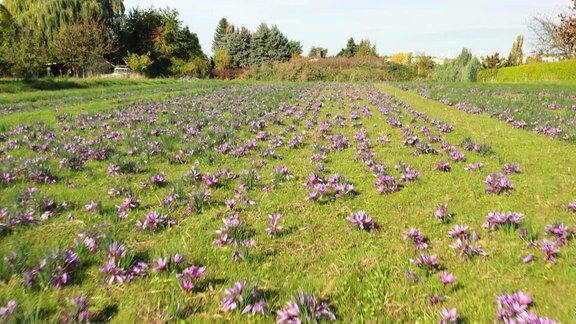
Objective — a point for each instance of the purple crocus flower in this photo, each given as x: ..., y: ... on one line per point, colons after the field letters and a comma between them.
x: 474, y: 166
x: 561, y: 232
x: 81, y: 313
x: 273, y: 226
x: 443, y: 166
x: 161, y: 264
x: 571, y: 206
x: 447, y: 278
x: 417, y: 237
x: 177, y: 259
x: 361, y: 220
x: 528, y: 258
x: 442, y: 213
x: 304, y: 308
x: 448, y: 316
x: 245, y: 297
x: 550, y: 250
x: 458, y: 231
x: 187, y: 285
x: 8, y: 311
x: 92, y: 207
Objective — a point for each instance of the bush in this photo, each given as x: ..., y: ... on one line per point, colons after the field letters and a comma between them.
x: 341, y: 69
x: 464, y: 68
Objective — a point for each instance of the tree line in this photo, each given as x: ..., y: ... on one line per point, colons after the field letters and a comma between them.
x: 88, y: 37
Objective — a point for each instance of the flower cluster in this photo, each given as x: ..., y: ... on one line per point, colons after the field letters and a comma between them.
x: 561, y: 233
x: 245, y: 297
x: 498, y: 184
x: 304, y: 308
x: 362, y: 221
x: 509, y: 219
x: 386, y: 183
x: 515, y: 309
x: 189, y: 275
x: 119, y: 267
x: 510, y: 168
x: 443, y: 166
x: 236, y: 234
x: 321, y: 188
x: 416, y: 237
x: 154, y: 221
x: 466, y: 243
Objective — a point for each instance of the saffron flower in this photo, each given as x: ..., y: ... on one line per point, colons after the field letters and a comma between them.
x: 361, y: 220
x: 161, y: 264
x: 417, y: 237
x: 495, y: 220
x: 443, y: 166
x: 550, y: 251
x: 8, y: 311
x: 242, y: 296
x: 510, y: 168
x: 80, y: 313
x: 474, y: 166
x: 515, y: 309
x: 442, y: 213
x: 561, y: 232
x: 571, y: 206
x: 447, y: 278
x: 448, y: 316
x: 304, y: 308
x: 273, y: 226
x: 498, y: 184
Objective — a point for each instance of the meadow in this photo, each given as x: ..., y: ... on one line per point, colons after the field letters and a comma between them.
x: 167, y: 201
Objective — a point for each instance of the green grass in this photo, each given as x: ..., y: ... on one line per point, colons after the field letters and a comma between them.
x: 360, y: 274
x: 541, y: 72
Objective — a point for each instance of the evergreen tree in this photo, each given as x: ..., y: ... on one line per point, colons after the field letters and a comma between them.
x: 237, y: 44
x: 260, y: 45
x: 278, y: 45
x: 350, y: 50
x: 220, y: 33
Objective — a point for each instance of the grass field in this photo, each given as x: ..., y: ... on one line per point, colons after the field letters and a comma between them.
x: 267, y: 182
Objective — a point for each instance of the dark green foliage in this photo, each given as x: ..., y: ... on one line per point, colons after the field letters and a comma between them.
x: 493, y: 61
x: 464, y: 68
x: 265, y: 45
x: 219, y: 34
x: 160, y: 33
x: 350, y: 50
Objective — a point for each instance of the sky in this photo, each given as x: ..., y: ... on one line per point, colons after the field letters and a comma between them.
x: 438, y: 27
